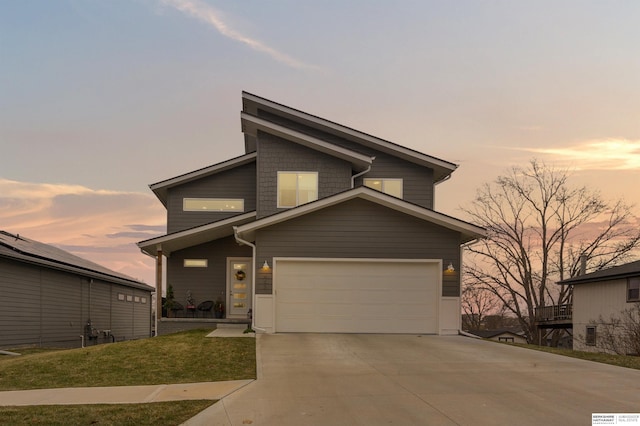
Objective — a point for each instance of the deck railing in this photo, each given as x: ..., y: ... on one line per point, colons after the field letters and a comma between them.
x: 554, y: 313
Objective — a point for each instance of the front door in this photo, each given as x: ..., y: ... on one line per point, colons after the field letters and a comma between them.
x: 239, y: 279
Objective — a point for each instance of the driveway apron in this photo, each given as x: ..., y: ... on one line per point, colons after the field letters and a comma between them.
x: 355, y: 379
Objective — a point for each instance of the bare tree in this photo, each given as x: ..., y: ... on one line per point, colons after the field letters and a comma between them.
x: 538, y: 228
x: 477, y: 303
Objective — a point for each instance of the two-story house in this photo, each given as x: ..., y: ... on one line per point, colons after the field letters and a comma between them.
x: 317, y: 228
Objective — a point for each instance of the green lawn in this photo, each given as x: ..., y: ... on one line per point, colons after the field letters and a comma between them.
x: 176, y: 358
x: 159, y: 413
x: 618, y: 360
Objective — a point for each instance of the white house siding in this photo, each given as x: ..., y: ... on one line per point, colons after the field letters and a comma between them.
x: 592, y: 301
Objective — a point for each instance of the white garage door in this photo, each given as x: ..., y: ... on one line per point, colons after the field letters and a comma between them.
x: 356, y: 296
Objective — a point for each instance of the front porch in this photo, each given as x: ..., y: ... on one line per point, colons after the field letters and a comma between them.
x: 174, y: 325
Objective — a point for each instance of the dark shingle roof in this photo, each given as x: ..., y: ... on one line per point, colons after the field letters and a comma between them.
x: 623, y: 271
x: 27, y: 250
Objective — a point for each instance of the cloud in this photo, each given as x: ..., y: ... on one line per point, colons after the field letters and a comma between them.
x: 98, y: 225
x: 600, y: 154
x: 205, y: 13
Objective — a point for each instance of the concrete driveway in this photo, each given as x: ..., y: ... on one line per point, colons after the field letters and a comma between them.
x: 355, y: 379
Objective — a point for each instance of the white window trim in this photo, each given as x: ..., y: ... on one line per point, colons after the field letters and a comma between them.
x: 237, y: 200
x: 383, y: 182
x: 297, y: 201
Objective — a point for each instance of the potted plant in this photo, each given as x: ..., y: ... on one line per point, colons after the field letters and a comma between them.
x: 191, y: 303
x: 218, y: 308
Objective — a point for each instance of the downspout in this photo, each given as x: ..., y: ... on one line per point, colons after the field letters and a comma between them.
x: 253, y: 278
x: 354, y: 177
x: 470, y: 243
x: 158, y: 291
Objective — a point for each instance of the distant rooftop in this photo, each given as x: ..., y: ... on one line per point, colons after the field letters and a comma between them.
x: 24, y: 249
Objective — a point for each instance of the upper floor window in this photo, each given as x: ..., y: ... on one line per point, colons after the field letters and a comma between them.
x: 388, y: 186
x: 296, y: 188
x: 212, y: 205
x: 633, y: 289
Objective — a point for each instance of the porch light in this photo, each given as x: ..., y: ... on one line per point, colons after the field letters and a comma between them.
x: 450, y: 269
x: 265, y: 267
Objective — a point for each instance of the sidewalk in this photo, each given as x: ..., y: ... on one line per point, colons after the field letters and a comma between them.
x: 122, y: 394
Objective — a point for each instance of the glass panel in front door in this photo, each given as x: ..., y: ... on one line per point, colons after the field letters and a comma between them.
x: 240, y: 288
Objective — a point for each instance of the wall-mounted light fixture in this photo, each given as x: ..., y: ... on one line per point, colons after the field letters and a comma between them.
x: 450, y: 269
x: 265, y: 267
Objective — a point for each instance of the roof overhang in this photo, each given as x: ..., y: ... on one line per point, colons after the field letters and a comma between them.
x: 74, y: 269
x: 194, y: 236
x: 251, y: 124
x: 160, y: 188
x: 628, y: 270
x: 441, y: 168
x: 468, y: 231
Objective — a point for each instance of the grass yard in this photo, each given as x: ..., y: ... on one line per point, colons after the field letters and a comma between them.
x: 185, y: 357
x: 618, y: 360
x: 176, y: 358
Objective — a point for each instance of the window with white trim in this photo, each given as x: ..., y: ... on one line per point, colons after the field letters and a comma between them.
x: 213, y: 205
x: 388, y: 186
x: 633, y: 289
x: 296, y: 188
x: 196, y: 263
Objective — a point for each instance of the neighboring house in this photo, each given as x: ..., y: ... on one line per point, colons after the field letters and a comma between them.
x: 49, y: 297
x: 599, y: 296
x: 508, y: 336
x: 316, y: 228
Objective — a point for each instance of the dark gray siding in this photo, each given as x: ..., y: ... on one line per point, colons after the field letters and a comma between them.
x: 204, y: 283
x: 239, y: 182
x: 276, y: 154
x: 47, y: 307
x: 20, y: 294
x: 358, y: 229
x: 418, y: 180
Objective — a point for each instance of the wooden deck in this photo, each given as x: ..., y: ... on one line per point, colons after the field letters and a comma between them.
x: 554, y: 316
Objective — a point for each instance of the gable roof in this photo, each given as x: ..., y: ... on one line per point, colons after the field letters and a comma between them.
x: 468, y: 231
x: 194, y: 236
x: 251, y: 103
x: 251, y: 123
x: 27, y: 250
x: 160, y: 188
x: 617, y: 272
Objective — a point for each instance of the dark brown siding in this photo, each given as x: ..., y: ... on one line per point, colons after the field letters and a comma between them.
x: 239, y: 182
x: 276, y: 154
x: 204, y: 283
x: 358, y: 229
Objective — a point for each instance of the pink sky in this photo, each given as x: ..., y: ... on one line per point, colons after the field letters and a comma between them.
x: 100, y: 99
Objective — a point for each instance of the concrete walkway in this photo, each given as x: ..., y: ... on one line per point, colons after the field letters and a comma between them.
x: 122, y: 394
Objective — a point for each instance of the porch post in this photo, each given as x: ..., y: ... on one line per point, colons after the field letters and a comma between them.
x: 158, y: 286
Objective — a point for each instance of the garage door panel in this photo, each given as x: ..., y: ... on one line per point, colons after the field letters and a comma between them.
x: 356, y: 296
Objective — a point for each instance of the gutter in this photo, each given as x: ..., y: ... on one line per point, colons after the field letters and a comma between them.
x: 354, y: 177
x: 253, y: 278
